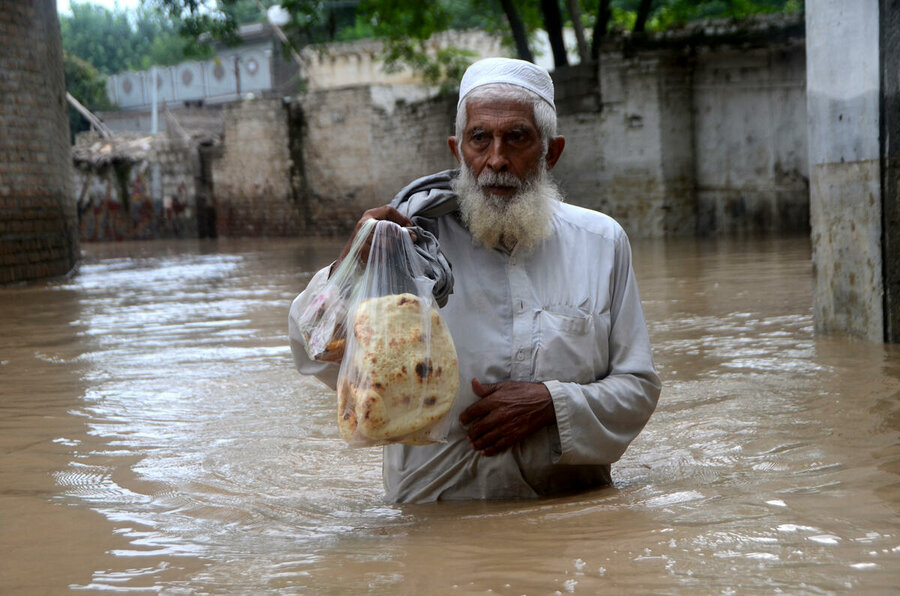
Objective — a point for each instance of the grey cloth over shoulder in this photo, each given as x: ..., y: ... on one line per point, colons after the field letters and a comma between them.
x: 423, y: 201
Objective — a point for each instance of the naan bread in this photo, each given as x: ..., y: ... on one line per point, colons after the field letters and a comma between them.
x: 394, y: 387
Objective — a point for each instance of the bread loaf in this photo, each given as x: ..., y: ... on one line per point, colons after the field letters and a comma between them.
x: 402, y: 375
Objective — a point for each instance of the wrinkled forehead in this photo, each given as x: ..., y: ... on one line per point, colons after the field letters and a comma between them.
x: 499, y: 113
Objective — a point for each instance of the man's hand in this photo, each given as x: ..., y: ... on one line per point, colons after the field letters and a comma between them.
x: 385, y: 212
x: 507, y: 413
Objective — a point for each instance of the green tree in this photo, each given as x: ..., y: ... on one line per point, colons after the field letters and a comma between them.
x: 98, y: 36
x: 406, y: 26
x: 117, y: 40
x: 86, y: 85
x: 666, y: 13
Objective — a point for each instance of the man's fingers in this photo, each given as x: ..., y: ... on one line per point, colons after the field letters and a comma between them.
x: 474, y: 412
x: 480, y: 408
x: 383, y: 213
x: 485, y: 389
x: 491, y: 443
x: 390, y: 214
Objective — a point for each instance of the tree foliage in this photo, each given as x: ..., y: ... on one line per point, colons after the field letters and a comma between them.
x: 406, y: 26
x: 663, y: 14
x: 86, y: 85
x: 116, y: 40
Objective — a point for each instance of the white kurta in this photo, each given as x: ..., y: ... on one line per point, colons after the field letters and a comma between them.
x: 567, y: 314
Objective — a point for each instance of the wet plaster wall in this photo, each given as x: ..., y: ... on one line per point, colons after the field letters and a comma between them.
x: 749, y: 116
x: 337, y: 158
x: 708, y: 141
x: 38, y: 222
x: 845, y: 171
x: 634, y: 159
x: 612, y: 160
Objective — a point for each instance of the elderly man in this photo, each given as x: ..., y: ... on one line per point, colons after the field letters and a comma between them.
x: 557, y: 376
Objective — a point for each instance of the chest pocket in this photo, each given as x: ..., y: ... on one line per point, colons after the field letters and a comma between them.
x: 571, y: 346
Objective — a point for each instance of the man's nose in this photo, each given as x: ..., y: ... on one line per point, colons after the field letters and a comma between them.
x: 497, y: 159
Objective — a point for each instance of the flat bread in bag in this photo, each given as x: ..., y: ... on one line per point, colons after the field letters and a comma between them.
x: 402, y: 376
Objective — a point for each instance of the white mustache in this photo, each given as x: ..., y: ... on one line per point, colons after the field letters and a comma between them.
x: 492, y: 178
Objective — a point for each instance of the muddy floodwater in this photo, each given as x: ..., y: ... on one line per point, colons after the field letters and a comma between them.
x: 155, y: 438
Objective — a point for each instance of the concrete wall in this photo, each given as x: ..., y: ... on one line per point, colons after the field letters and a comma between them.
x: 844, y: 129
x: 255, y: 179
x: 751, y: 142
x: 255, y: 66
x: 38, y: 233
x: 710, y: 142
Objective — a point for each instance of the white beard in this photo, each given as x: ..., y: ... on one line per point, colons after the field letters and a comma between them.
x: 522, y: 219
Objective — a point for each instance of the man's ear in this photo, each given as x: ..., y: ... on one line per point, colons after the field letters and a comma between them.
x: 454, y: 148
x: 554, y: 151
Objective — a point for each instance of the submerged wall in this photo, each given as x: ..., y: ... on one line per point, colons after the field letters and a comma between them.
x: 705, y: 135
x: 844, y: 164
x: 38, y: 233
x: 256, y: 186
x: 709, y: 140
x: 363, y: 144
x: 853, y: 196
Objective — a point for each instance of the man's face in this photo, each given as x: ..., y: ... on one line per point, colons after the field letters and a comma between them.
x: 501, y: 137
x: 505, y: 196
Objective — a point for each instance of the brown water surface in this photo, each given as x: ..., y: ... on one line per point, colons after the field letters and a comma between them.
x: 154, y: 438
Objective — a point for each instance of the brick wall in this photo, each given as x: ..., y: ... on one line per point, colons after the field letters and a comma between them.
x: 254, y: 179
x: 337, y: 158
x: 38, y: 222
x: 363, y: 144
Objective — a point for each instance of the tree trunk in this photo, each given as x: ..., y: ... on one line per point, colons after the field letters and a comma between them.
x: 553, y: 25
x: 642, y: 14
x: 518, y: 30
x: 575, y: 12
x: 600, y: 27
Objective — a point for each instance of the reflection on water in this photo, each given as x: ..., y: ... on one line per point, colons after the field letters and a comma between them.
x: 155, y: 437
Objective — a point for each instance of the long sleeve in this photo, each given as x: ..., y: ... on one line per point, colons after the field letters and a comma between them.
x: 597, y: 421
x: 324, y: 371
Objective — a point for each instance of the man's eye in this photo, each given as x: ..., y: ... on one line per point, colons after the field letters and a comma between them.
x: 517, y: 136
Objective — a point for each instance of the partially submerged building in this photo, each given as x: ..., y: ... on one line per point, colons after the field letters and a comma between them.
x: 700, y: 130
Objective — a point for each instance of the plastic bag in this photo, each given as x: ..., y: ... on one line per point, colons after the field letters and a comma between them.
x: 399, y: 370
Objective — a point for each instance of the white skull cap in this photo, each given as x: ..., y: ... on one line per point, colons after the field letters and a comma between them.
x: 510, y: 71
